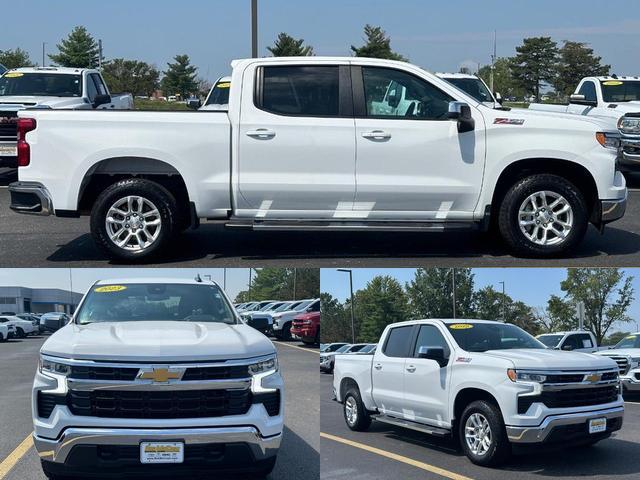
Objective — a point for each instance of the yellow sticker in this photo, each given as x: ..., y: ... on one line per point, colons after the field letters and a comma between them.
x: 613, y: 83
x: 224, y: 85
x: 460, y: 326
x: 110, y: 288
x: 13, y: 74
x: 631, y: 337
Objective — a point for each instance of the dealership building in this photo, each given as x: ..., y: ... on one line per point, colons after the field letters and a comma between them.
x: 37, y: 300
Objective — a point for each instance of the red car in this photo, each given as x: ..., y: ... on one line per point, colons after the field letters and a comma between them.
x: 307, y: 327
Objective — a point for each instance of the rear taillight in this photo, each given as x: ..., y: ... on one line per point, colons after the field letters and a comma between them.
x: 25, y: 125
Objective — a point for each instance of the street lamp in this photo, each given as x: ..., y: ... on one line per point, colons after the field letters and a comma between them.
x: 504, y: 304
x: 353, y: 328
x: 254, y: 28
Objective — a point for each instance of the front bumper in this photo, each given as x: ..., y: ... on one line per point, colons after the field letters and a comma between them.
x: 631, y: 381
x: 30, y: 198
x: 554, y: 427
x: 612, y: 210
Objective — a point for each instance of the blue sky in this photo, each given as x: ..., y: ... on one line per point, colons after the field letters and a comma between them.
x: 440, y: 36
x: 533, y: 286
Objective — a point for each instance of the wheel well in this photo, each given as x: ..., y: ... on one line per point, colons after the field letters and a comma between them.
x: 468, y: 395
x: 107, y: 172
x: 345, y: 384
x: 573, y: 172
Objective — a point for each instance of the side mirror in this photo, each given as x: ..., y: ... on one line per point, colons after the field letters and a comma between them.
x: 101, y: 100
x: 461, y: 112
x: 261, y: 324
x: 433, y: 353
x: 567, y: 348
x: 499, y: 98
x: 194, y: 103
x: 582, y: 100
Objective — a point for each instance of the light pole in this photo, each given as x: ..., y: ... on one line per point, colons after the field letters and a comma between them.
x: 504, y: 304
x: 453, y: 290
x: 353, y: 327
x: 254, y: 28
x: 250, y: 272
x: 43, y: 56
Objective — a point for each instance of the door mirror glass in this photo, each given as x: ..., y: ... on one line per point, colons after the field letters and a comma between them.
x: 567, y: 347
x: 461, y: 112
x: 261, y: 324
x: 101, y: 100
x: 499, y: 98
x: 433, y: 353
x: 194, y: 103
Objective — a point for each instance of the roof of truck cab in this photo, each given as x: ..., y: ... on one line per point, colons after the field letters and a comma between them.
x: 164, y: 280
x: 568, y: 332
x: 456, y: 75
x: 54, y: 70
x: 447, y: 321
x: 314, y: 59
x: 610, y: 78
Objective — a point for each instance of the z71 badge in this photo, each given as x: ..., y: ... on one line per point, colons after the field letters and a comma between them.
x: 508, y: 121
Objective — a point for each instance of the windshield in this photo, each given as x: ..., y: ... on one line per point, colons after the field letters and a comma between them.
x: 155, y: 302
x: 285, y: 306
x: 474, y: 87
x: 220, y: 94
x: 616, y: 91
x: 481, y: 337
x: 343, y: 349
x: 630, y: 341
x: 550, y: 341
x: 368, y: 348
x: 332, y: 348
x: 41, y: 85
x: 302, y: 305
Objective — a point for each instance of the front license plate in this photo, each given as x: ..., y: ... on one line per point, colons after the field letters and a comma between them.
x: 598, y: 425
x: 161, y: 452
x: 8, y: 150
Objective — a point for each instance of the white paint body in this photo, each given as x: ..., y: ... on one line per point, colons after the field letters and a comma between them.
x: 629, y: 361
x: 26, y: 326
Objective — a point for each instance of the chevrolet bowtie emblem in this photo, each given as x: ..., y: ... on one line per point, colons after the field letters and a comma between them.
x: 593, y: 378
x: 160, y: 375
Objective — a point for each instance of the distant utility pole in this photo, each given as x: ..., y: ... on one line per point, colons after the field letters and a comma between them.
x: 224, y: 278
x: 504, y: 303
x: 43, y: 55
x: 580, y: 312
x: 353, y: 323
x: 453, y: 289
x: 493, y: 60
x: 295, y: 279
x: 254, y: 28
x: 100, y: 55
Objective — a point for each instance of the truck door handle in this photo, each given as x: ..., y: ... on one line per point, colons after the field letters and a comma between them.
x: 261, y: 133
x: 377, y: 366
x: 376, y: 135
x: 411, y: 369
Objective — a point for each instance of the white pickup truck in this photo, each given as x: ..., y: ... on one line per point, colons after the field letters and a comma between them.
x: 488, y: 384
x: 626, y: 354
x: 156, y: 371
x: 50, y: 88
x: 572, y: 341
x: 616, y: 100
x: 311, y: 144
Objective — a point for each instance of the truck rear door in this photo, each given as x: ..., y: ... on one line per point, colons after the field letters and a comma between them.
x: 296, y: 148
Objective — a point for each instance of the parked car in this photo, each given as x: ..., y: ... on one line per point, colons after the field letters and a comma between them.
x: 51, y: 88
x: 476, y: 87
x: 626, y: 353
x: 331, y: 347
x: 282, y: 321
x: 152, y: 350
x: 23, y: 327
x: 53, y: 321
x: 4, y: 332
x: 490, y: 167
x: 369, y: 349
x: 306, y: 327
x: 576, y: 341
x: 491, y: 385
x: 327, y: 359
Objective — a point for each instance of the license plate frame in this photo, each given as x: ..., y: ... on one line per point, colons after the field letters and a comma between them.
x: 597, y: 425
x: 165, y: 452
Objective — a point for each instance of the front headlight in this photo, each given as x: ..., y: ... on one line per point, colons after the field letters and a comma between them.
x: 629, y: 125
x: 46, y: 365
x: 516, y: 376
x: 608, y: 140
x: 270, y: 364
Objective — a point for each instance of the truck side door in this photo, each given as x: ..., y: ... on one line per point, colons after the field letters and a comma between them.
x: 411, y: 161
x: 426, y: 382
x: 296, y: 148
x: 387, y: 374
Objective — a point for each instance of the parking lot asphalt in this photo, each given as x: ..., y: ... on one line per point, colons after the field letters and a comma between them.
x: 29, y: 241
x: 299, y: 452
x: 386, y: 452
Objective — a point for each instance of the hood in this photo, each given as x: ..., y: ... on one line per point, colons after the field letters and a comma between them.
x: 308, y: 316
x: 627, y: 352
x: 13, y: 103
x: 162, y: 341
x: 552, y: 359
x: 530, y: 117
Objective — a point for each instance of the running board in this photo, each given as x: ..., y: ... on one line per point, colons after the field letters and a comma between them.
x: 397, y: 422
x: 307, y: 225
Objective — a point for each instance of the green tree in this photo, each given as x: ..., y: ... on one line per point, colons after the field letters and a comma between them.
x: 559, y: 315
x: 287, y: 46
x: 133, y: 76
x: 282, y: 284
x: 503, y: 81
x: 380, y: 303
x: 606, y: 292
x: 577, y: 61
x: 431, y: 293
x: 78, y: 50
x: 378, y: 45
x: 180, y: 78
x: 493, y: 305
x: 534, y: 64
x: 15, y: 58
x: 614, y: 338
x: 336, y: 320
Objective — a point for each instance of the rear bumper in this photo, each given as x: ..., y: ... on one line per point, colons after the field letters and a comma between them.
x: 31, y: 198
x: 567, y: 427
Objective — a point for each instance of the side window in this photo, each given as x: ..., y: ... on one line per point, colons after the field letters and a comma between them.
x: 573, y: 341
x: 584, y: 340
x: 391, y: 93
x: 301, y: 90
x: 100, y: 87
x: 430, y: 336
x: 588, y: 89
x: 92, y: 91
x: 315, y: 307
x: 398, y: 342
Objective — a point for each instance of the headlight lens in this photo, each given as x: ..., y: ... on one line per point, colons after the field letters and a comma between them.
x: 608, y: 140
x: 516, y: 376
x: 264, y: 366
x: 629, y: 125
x: 54, y: 367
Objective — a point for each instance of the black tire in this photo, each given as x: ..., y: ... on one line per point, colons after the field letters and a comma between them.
x: 286, y: 331
x: 362, y: 419
x: 265, y: 468
x: 20, y: 333
x: 509, y: 223
x: 2, y: 338
x: 163, y: 200
x: 500, y: 448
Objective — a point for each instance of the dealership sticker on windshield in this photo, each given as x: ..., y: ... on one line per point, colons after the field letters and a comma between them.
x: 110, y: 288
x: 460, y: 326
x: 612, y: 83
x: 13, y: 75
x: 224, y: 85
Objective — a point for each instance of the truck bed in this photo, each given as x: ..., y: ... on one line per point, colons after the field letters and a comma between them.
x: 358, y: 368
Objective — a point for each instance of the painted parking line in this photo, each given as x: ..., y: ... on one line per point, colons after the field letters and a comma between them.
x: 296, y: 346
x: 399, y: 458
x: 633, y: 403
x: 15, y: 456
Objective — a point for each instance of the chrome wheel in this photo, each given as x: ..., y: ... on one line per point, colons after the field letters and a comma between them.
x: 133, y: 223
x: 477, y: 434
x: 546, y: 218
x: 351, y: 411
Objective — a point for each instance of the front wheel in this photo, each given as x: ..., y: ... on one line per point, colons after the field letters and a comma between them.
x: 482, y: 434
x: 134, y: 219
x: 543, y: 215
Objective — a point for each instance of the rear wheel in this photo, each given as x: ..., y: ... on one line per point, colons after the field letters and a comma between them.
x: 286, y: 331
x: 482, y: 434
x: 355, y: 413
x: 20, y: 332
